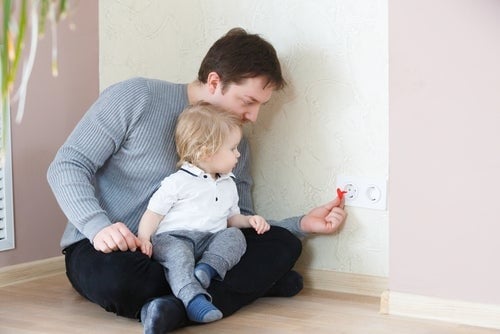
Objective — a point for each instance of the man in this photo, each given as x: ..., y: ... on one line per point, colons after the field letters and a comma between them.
x: 116, y: 157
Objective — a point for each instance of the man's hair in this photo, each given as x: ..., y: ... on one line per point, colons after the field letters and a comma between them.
x: 239, y: 55
x: 201, y: 131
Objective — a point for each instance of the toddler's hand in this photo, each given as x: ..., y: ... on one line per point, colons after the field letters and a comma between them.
x: 259, y: 224
x: 146, y: 247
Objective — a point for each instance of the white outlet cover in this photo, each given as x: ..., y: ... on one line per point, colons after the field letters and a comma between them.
x: 371, y: 192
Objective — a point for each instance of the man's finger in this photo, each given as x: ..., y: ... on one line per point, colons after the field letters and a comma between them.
x: 332, y: 204
x: 130, y: 239
x: 104, y: 246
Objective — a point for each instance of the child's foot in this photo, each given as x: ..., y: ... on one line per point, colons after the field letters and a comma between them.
x: 200, y: 309
x: 204, y: 274
x: 162, y: 315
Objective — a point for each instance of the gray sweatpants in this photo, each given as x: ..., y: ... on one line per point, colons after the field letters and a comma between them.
x: 180, y: 251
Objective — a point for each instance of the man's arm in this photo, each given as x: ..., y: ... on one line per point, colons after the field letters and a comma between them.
x: 97, y: 137
x: 244, y: 183
x: 324, y: 219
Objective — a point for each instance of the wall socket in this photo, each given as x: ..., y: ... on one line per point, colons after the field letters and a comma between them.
x: 363, y: 192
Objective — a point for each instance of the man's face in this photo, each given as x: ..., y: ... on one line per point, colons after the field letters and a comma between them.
x: 244, y: 99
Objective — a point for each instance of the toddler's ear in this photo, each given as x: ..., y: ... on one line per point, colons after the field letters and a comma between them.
x: 204, y: 154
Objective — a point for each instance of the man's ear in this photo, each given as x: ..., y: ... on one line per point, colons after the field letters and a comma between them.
x: 213, y: 81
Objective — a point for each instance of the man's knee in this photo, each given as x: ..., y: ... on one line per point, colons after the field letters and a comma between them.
x: 120, y: 282
x: 281, y: 241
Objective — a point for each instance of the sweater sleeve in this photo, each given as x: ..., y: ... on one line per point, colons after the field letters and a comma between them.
x: 244, y: 181
x: 100, y: 133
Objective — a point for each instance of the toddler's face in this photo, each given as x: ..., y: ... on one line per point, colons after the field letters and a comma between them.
x: 224, y: 160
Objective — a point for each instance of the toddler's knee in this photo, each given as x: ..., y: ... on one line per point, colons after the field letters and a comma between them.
x: 236, y: 241
x: 235, y: 234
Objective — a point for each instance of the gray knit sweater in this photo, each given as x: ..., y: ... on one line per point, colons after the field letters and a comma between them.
x: 119, y: 152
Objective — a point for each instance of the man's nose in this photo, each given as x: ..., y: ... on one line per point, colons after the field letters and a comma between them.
x: 252, y: 114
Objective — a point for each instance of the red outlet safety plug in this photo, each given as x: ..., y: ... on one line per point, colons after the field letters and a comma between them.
x: 340, y: 193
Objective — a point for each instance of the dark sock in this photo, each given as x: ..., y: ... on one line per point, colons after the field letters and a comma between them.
x: 204, y: 274
x: 162, y: 315
x: 200, y: 309
x: 287, y: 286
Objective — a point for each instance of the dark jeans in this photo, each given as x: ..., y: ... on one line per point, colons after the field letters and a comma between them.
x: 122, y: 282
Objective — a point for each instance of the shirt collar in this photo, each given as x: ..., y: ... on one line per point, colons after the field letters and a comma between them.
x: 198, y: 172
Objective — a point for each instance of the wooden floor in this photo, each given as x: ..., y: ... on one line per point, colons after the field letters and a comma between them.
x: 50, y: 305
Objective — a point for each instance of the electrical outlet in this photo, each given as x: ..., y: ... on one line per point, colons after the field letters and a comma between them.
x: 351, y: 191
x: 363, y: 192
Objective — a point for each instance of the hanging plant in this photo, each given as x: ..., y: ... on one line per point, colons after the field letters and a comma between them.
x: 18, y: 17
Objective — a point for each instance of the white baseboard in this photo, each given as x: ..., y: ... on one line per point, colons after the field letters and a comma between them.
x: 417, y: 306
x: 344, y: 282
x: 31, y: 270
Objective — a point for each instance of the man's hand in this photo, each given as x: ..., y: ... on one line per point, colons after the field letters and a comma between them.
x: 116, y: 237
x: 325, y: 219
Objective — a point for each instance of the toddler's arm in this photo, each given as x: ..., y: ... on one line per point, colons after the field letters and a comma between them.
x: 148, y: 225
x: 258, y: 223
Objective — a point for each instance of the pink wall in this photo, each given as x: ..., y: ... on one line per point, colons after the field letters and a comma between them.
x: 53, y: 107
x: 444, y: 89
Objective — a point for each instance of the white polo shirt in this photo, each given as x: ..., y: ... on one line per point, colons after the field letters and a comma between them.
x: 191, y: 199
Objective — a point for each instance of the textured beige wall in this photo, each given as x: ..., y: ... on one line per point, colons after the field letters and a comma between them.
x: 53, y: 107
x: 331, y: 120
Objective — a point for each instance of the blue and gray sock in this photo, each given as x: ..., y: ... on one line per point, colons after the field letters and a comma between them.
x: 204, y: 274
x: 200, y: 309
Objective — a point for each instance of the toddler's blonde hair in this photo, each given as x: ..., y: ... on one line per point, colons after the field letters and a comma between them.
x: 201, y: 130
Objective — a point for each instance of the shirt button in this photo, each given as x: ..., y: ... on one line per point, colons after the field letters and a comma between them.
x: 216, y: 199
